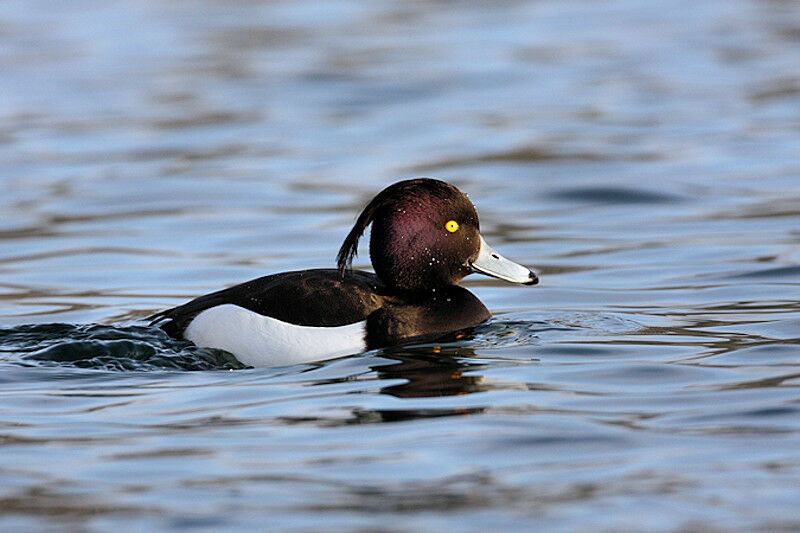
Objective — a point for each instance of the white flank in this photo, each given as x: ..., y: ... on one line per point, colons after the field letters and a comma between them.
x: 259, y: 340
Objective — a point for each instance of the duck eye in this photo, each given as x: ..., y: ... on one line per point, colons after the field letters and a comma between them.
x: 451, y: 226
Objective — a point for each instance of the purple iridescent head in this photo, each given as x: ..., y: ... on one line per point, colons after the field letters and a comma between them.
x: 425, y: 235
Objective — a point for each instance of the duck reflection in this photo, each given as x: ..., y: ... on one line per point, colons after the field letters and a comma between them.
x: 428, y: 372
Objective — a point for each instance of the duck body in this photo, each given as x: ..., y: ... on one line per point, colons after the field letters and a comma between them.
x: 309, y: 315
x: 424, y: 240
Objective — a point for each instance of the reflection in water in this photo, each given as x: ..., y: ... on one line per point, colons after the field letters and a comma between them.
x: 431, y: 372
x: 426, y: 372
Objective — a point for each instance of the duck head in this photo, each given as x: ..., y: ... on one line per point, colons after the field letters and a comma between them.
x: 425, y: 235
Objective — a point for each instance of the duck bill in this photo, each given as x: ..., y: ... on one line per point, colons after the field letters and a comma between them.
x: 493, y: 264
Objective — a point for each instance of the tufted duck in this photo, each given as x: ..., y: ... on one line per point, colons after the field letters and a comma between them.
x: 424, y: 240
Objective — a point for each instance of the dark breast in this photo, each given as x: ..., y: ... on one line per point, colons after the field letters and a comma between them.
x: 425, y: 316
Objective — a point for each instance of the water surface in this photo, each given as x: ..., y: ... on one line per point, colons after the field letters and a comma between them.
x: 641, y: 156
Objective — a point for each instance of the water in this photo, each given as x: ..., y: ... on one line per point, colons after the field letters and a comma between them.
x: 641, y: 156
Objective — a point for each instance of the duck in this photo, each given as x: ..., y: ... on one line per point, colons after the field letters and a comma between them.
x: 424, y: 239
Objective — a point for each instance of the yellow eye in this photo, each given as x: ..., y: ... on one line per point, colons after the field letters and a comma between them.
x: 451, y: 226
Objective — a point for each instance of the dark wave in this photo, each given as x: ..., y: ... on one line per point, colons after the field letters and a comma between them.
x: 102, y: 347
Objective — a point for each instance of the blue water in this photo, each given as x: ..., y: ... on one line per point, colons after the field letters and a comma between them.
x: 641, y: 156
